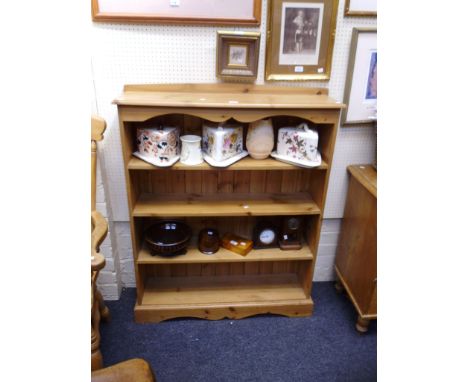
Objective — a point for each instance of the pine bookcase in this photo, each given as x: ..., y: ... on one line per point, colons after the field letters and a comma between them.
x: 225, y: 285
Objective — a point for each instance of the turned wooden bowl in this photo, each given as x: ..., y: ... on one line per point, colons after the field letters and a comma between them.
x: 168, y: 238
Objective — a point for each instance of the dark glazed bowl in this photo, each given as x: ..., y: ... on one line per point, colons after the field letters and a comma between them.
x: 168, y: 238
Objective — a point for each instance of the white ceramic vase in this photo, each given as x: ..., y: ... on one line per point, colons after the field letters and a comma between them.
x: 260, y: 139
x: 191, y: 154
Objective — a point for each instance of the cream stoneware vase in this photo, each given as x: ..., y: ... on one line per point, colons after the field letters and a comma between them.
x: 191, y: 150
x: 260, y: 139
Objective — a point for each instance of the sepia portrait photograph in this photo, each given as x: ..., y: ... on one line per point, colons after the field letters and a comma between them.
x: 301, y: 26
x: 238, y: 55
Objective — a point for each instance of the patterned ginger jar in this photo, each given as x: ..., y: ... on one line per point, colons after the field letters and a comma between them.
x: 260, y: 139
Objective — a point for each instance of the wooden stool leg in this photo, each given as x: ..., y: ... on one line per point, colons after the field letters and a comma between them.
x: 96, y: 355
x: 103, y: 309
x: 96, y: 360
x: 362, y: 325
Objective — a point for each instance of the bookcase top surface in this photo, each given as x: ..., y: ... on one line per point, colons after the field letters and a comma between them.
x: 224, y: 95
x: 366, y: 175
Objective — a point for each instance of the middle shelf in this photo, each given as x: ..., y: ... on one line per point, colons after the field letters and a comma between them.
x: 194, y: 256
x: 185, y: 205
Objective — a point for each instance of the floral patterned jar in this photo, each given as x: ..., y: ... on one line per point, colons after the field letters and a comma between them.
x: 161, y: 144
x: 298, y: 143
x: 222, y: 142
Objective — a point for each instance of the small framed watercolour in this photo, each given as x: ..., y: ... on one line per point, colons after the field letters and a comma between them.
x: 301, y: 36
x: 237, y: 55
x: 361, y: 8
x: 361, y: 80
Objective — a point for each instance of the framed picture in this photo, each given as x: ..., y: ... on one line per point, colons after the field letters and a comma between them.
x: 237, y: 55
x: 360, y: 93
x: 209, y: 12
x: 301, y: 35
x: 361, y: 8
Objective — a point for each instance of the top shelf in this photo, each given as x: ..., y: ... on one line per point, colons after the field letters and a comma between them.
x: 227, y: 96
x: 246, y: 164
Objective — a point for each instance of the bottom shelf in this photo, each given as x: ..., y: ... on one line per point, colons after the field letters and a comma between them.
x: 217, y: 297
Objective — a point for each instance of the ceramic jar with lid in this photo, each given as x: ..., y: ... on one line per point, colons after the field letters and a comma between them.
x: 208, y: 241
x: 260, y: 139
x: 222, y: 141
x: 298, y: 143
x: 161, y: 143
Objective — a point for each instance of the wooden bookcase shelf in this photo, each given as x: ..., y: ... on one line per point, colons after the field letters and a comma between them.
x: 244, y: 164
x: 232, y: 205
x: 194, y: 256
x: 215, y: 297
x: 213, y: 289
x: 231, y: 199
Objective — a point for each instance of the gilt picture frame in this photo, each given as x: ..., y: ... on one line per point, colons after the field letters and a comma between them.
x: 300, y: 39
x: 360, y: 8
x: 200, y: 12
x: 360, y: 94
x: 237, y: 55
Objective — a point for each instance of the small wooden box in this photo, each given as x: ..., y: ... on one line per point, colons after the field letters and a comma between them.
x: 236, y: 244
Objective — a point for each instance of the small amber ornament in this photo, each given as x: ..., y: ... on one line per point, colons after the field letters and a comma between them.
x: 236, y: 244
x: 208, y: 241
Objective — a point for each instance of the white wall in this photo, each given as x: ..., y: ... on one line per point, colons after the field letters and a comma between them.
x: 131, y: 53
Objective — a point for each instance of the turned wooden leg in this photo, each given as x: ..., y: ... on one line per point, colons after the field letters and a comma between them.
x: 362, y: 325
x: 96, y: 360
x: 103, y: 309
x: 339, y: 286
x: 96, y: 356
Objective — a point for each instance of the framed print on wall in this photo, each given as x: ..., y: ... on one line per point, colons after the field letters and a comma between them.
x: 209, y: 12
x: 237, y: 55
x: 301, y: 36
x: 361, y: 8
x: 360, y: 93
